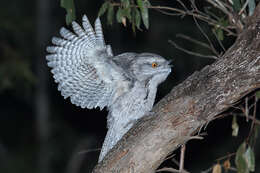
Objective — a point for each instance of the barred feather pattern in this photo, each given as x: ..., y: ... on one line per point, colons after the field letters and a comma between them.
x: 75, y: 61
x: 90, y: 75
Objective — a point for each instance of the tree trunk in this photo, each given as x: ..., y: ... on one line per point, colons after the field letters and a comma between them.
x: 42, y: 110
x: 189, y: 106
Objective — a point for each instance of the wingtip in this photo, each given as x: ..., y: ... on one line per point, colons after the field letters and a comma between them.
x: 49, y: 57
x: 97, y: 20
x: 49, y: 49
x: 84, y: 17
x: 62, y: 30
x: 54, y: 40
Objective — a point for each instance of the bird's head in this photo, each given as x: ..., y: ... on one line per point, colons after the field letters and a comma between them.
x: 149, y: 66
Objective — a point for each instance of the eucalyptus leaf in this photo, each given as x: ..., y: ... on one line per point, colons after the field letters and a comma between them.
x: 220, y: 34
x: 110, y: 14
x: 127, y: 13
x: 119, y: 15
x: 133, y: 27
x: 125, y: 3
x: 103, y: 8
x: 137, y: 18
x: 235, y: 126
x: 70, y: 9
x: 240, y: 160
x: 250, y: 159
x: 257, y: 94
x: 143, y: 5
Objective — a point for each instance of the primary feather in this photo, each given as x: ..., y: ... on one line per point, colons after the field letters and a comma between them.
x: 79, y: 64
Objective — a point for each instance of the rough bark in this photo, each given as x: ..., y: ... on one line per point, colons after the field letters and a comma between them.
x: 189, y: 106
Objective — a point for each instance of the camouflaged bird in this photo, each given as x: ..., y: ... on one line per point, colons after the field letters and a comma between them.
x: 91, y: 76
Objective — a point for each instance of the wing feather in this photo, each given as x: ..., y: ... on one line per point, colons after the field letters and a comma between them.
x: 77, y: 62
x: 89, y: 30
x: 99, y: 32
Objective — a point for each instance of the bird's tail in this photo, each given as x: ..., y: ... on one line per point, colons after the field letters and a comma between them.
x: 114, y: 134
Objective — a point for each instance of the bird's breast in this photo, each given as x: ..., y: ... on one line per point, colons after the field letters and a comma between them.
x: 131, y: 106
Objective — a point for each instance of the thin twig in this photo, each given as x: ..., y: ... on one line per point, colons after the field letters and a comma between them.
x: 193, y: 40
x: 226, y: 156
x: 243, y: 8
x: 219, y: 42
x: 171, y: 170
x: 246, y: 109
x: 169, y: 157
x: 212, y: 14
x: 251, y: 118
x: 233, y: 169
x: 175, y: 161
x: 205, y: 35
x: 220, y: 6
x: 201, y: 30
x: 181, y: 168
x: 179, y: 12
x: 190, y: 52
x: 207, y: 171
x: 253, y: 122
x: 89, y: 151
x: 229, y: 8
x: 182, y: 4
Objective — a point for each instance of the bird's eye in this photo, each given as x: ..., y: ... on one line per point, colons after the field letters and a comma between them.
x: 154, y: 64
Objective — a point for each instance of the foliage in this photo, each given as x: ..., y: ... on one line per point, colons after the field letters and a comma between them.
x: 70, y: 9
x: 132, y: 11
x: 245, y: 159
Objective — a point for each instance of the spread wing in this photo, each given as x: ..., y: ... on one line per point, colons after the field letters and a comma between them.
x: 80, y: 67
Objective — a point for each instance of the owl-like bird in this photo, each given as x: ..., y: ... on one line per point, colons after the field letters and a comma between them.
x: 91, y: 76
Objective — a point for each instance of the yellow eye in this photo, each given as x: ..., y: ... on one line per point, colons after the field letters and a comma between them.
x: 154, y: 64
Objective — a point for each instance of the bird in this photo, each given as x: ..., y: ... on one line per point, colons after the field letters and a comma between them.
x: 88, y: 73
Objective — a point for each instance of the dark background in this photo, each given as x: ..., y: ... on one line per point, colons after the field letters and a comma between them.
x: 42, y: 132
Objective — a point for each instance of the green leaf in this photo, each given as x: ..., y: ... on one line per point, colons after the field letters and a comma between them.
x: 236, y: 5
x: 241, y: 150
x: 143, y: 5
x: 133, y: 28
x: 251, y: 7
x: 125, y: 3
x: 70, y: 9
x: 137, y: 18
x: 223, y: 22
x: 257, y: 94
x: 119, y: 15
x: 127, y: 13
x: 235, y: 126
x: 250, y: 159
x: 103, y: 8
x: 220, y: 34
x: 240, y: 160
x: 110, y: 14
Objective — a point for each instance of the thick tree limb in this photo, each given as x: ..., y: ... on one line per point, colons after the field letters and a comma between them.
x: 189, y: 106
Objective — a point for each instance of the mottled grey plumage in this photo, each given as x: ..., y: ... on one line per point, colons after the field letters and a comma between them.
x: 87, y: 72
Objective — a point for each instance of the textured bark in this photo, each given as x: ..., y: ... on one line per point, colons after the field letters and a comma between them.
x: 189, y: 106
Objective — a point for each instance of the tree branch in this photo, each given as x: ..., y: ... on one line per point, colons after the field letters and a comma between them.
x: 189, y: 106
